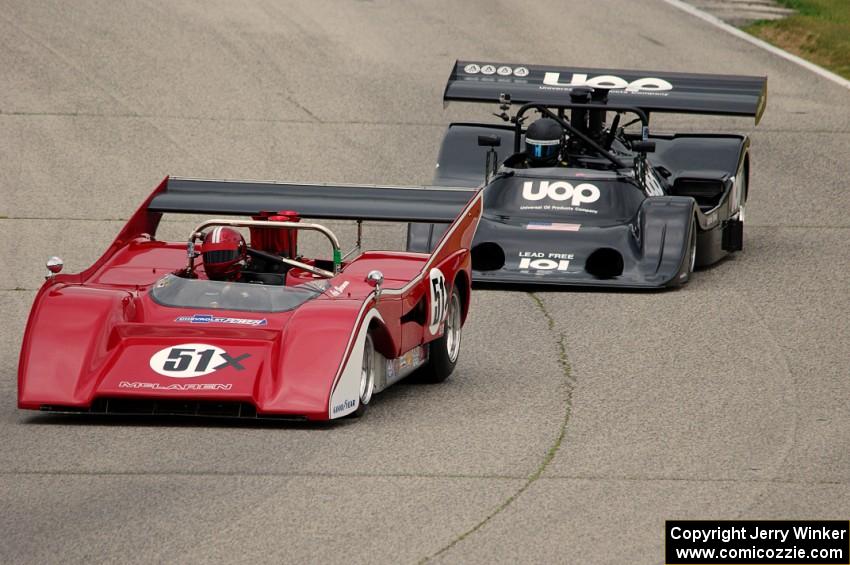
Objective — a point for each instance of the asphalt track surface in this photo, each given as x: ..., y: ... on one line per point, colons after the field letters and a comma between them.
x: 576, y: 422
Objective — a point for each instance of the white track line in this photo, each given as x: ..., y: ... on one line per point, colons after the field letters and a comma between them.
x: 713, y: 20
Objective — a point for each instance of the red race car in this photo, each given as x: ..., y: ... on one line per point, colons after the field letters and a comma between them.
x: 224, y: 326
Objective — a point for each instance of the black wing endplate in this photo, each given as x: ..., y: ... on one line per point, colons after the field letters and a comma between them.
x: 320, y: 201
x: 685, y: 93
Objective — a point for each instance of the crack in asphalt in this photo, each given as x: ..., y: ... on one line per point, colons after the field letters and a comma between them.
x: 301, y: 121
x: 270, y: 474
x: 783, y: 358
x: 624, y: 479
x: 111, y: 92
x: 569, y: 382
x: 140, y: 116
x: 52, y: 218
x: 451, y: 476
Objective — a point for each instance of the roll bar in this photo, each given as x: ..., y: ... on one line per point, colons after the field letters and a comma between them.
x: 544, y: 109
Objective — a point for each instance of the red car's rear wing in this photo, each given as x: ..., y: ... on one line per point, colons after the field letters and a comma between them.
x: 651, y: 91
x: 320, y: 201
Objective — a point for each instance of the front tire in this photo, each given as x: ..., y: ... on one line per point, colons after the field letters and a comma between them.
x: 367, y: 377
x: 692, y: 250
x: 690, y: 260
x: 445, y: 350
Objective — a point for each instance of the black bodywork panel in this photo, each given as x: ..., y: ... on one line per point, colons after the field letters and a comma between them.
x: 541, y: 227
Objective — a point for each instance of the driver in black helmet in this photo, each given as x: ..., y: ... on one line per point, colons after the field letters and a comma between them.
x: 543, y: 141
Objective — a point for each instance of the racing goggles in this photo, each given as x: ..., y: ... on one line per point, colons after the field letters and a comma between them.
x: 543, y: 149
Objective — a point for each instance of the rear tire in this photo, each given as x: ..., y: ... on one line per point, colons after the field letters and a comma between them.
x: 741, y: 215
x: 445, y: 350
x: 733, y: 231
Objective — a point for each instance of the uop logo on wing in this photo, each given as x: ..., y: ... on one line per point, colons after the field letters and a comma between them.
x: 609, y: 81
x: 561, y: 191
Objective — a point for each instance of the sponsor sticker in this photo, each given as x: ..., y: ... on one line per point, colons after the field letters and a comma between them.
x: 559, y: 196
x: 560, y: 191
x: 550, y: 226
x: 192, y: 387
x: 337, y: 290
x: 189, y: 360
x: 213, y: 319
x: 406, y: 363
x: 611, y: 82
x: 540, y: 262
x: 489, y: 69
x: 344, y: 405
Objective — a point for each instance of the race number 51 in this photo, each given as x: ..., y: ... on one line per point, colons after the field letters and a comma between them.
x: 439, y: 299
x: 193, y: 360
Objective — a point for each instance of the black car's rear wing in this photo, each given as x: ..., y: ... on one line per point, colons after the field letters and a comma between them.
x: 320, y: 201
x: 686, y: 93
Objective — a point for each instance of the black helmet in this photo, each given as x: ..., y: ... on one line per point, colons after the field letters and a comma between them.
x: 543, y: 141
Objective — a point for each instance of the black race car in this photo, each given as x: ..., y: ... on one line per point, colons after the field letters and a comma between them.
x: 618, y: 206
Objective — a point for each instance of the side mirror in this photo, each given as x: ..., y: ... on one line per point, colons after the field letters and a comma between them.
x: 643, y: 146
x: 489, y: 141
x: 375, y: 279
x: 54, y: 267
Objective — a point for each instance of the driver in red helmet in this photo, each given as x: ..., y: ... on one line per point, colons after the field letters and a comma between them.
x: 225, y: 254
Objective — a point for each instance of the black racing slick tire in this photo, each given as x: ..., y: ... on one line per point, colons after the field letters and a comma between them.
x: 690, y: 254
x: 367, y: 377
x: 445, y: 350
x: 692, y: 250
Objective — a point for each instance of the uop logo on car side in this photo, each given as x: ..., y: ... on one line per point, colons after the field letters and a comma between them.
x: 561, y: 191
x: 609, y: 81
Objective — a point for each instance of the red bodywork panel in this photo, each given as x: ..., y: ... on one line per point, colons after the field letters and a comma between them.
x: 97, y: 334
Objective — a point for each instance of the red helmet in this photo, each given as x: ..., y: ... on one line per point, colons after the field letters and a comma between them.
x: 224, y: 253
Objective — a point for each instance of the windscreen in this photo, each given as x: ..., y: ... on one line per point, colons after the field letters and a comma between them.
x: 176, y: 291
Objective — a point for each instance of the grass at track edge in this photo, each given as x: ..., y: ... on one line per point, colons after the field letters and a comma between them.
x: 818, y: 32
